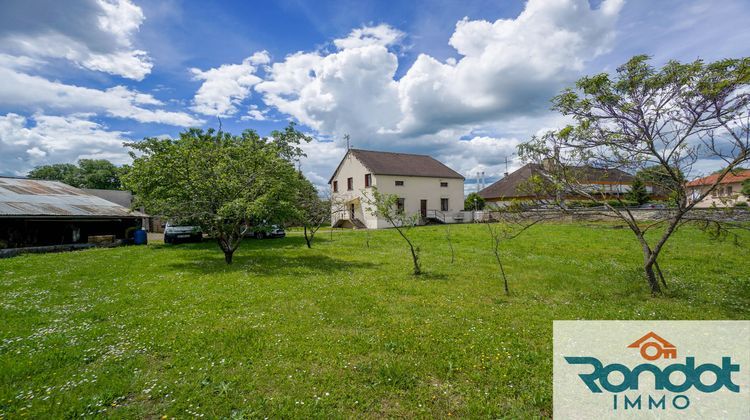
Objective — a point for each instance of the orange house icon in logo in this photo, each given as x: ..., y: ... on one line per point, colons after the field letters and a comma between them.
x: 653, y: 347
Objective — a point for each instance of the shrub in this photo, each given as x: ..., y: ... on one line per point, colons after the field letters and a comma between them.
x: 469, y: 202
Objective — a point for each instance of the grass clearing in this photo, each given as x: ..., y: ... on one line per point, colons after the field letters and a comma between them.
x: 340, y: 330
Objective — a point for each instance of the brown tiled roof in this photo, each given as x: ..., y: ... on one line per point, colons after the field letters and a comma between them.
x: 404, y: 164
x: 730, y: 178
x: 508, y: 187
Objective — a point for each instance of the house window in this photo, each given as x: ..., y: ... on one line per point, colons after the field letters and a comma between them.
x: 729, y: 190
x: 443, y: 184
x: 335, y: 186
x: 400, y: 205
x: 443, y: 204
x: 368, y: 180
x: 349, y: 184
x: 399, y: 183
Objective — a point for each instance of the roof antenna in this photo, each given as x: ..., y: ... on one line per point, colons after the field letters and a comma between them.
x: 348, y: 146
x: 219, y: 118
x: 506, y: 165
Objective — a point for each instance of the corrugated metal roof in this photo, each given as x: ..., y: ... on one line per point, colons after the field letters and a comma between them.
x: 29, y: 197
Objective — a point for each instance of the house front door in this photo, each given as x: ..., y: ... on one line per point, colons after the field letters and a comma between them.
x: 423, y: 208
x: 351, y: 211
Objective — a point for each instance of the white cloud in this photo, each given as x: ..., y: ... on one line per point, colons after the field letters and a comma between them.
x: 383, y: 35
x: 255, y: 114
x: 506, y: 72
x: 97, y: 35
x: 351, y: 91
x: 226, y: 86
x: 508, y: 67
x: 33, y: 92
x: 54, y: 139
x: 322, y: 158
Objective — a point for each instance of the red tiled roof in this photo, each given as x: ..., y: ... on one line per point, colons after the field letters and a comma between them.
x: 730, y: 178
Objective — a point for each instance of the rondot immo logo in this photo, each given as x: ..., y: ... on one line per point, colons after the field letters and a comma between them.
x: 664, y: 369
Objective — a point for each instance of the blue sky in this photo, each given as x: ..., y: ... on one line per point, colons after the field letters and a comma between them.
x: 464, y: 81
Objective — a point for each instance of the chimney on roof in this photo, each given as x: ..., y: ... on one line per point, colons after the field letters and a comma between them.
x: 548, y: 164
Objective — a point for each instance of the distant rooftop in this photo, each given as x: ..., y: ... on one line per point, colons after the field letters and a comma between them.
x: 730, y: 178
x: 511, y: 185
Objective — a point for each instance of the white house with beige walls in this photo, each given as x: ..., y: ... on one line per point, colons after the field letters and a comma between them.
x: 424, y: 186
x: 728, y: 193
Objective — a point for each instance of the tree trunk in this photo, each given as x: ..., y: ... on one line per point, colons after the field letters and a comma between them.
x: 649, y: 259
x: 648, y: 267
x: 226, y: 245
x: 308, y: 240
x: 502, y: 271
x: 661, y: 275
x: 450, y: 244
x: 415, y: 258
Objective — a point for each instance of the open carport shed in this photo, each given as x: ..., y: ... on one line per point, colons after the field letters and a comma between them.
x: 37, y: 213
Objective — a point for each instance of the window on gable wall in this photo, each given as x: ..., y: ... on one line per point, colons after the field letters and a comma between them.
x: 399, y: 183
x: 335, y: 186
x: 349, y: 184
x: 368, y: 180
x: 443, y: 184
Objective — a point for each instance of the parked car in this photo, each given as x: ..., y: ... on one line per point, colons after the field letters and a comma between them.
x: 175, y: 234
x: 266, y: 231
x: 654, y: 206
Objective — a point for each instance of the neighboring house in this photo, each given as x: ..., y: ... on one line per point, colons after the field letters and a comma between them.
x: 35, y: 212
x: 610, y: 182
x: 727, y: 193
x: 423, y: 185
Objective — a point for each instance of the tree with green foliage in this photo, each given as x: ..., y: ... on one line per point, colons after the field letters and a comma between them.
x: 221, y: 181
x: 638, y: 192
x: 63, y: 172
x: 313, y: 211
x: 642, y: 117
x: 474, y: 202
x: 90, y: 173
x: 662, y: 182
x: 385, y: 206
x: 99, y: 173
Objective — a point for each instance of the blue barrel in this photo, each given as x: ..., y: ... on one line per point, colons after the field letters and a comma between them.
x: 140, y: 237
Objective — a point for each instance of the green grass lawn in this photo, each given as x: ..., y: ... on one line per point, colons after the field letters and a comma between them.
x: 340, y: 330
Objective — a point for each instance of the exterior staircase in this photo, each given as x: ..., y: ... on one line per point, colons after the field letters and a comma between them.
x: 358, y: 224
x: 353, y: 223
x: 435, y: 216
